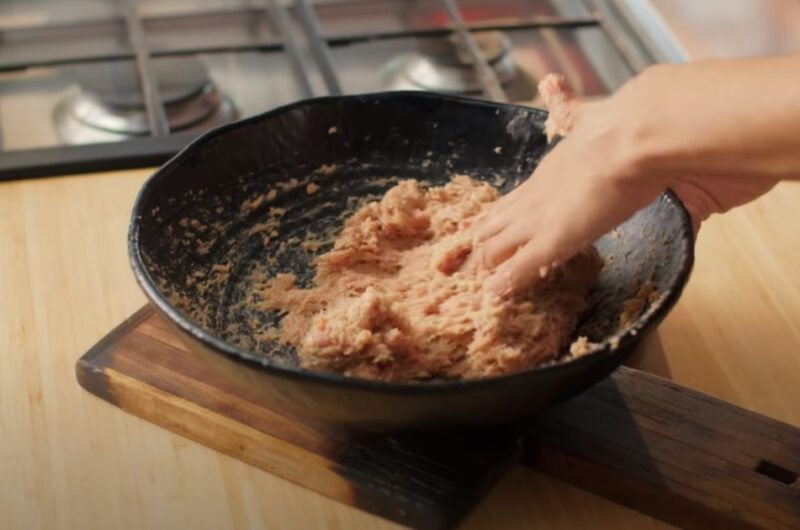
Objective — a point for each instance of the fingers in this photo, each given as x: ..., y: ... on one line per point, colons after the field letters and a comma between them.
x: 497, y: 217
x: 493, y: 221
x: 503, y: 245
x: 523, y: 270
x: 497, y: 238
x: 497, y: 229
x: 477, y: 258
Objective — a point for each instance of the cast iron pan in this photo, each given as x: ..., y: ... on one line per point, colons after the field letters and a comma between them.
x: 197, y: 237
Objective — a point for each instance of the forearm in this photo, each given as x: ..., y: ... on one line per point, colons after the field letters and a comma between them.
x: 718, y: 133
x: 733, y: 117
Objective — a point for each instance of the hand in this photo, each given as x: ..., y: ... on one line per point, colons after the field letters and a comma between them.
x: 600, y: 174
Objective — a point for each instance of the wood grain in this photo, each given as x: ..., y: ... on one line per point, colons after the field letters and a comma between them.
x: 679, y: 455
x: 71, y: 461
x: 426, y: 483
x: 684, y: 457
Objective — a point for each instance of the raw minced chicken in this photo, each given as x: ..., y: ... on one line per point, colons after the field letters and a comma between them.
x: 391, y: 300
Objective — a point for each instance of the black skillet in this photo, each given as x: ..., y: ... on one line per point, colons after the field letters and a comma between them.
x: 189, y: 225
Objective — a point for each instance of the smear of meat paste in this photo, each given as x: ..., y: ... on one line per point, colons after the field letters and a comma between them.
x: 391, y: 301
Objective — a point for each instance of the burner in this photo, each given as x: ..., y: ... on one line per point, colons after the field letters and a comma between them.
x: 108, y: 104
x: 445, y: 65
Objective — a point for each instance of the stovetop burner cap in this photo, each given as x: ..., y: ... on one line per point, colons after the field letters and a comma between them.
x: 445, y: 65
x: 117, y: 84
x: 108, y: 105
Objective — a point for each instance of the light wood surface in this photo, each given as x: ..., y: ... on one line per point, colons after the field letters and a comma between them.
x: 72, y: 461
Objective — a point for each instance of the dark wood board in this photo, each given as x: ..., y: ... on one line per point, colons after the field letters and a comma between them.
x: 671, y: 452
x: 637, y: 439
x: 425, y: 483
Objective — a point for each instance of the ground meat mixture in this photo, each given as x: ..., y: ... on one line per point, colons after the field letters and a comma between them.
x: 391, y: 300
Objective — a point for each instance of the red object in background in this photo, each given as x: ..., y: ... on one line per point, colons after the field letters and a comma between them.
x: 492, y: 11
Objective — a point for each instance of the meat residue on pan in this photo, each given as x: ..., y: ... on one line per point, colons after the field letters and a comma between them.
x: 391, y: 301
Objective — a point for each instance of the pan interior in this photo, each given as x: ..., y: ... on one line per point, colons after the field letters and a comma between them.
x: 206, y: 231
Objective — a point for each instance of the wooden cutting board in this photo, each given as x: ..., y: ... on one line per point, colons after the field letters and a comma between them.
x: 635, y: 438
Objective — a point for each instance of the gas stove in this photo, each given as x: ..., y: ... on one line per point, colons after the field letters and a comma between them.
x: 87, y: 85
x: 106, y: 105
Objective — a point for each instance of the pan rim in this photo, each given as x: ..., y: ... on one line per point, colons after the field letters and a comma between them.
x: 147, y: 283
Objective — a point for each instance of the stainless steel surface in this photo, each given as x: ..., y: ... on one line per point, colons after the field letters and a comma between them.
x: 253, y: 82
x: 650, y: 28
x: 597, y: 45
x: 153, y: 105
x: 108, y: 104
x: 484, y: 73
x: 259, y: 54
x: 318, y: 46
x: 83, y: 121
x: 282, y: 24
x: 447, y: 68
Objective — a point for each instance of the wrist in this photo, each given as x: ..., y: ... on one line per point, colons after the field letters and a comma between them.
x: 652, y: 139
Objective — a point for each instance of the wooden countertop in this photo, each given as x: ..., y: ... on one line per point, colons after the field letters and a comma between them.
x: 72, y: 461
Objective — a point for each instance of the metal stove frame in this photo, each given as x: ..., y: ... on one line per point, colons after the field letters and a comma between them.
x: 634, y: 44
